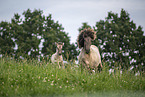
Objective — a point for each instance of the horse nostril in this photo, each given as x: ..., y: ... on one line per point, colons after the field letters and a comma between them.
x: 87, y: 51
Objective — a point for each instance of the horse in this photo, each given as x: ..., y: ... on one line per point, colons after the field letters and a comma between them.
x: 57, y: 57
x: 89, y: 56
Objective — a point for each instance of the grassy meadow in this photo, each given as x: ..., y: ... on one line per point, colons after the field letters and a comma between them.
x: 28, y: 78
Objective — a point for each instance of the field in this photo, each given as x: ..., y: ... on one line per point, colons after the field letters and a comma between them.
x: 32, y: 78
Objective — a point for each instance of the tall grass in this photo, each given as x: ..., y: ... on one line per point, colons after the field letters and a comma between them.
x: 33, y: 78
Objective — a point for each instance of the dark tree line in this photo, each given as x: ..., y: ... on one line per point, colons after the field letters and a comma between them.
x: 21, y: 38
x: 120, y: 40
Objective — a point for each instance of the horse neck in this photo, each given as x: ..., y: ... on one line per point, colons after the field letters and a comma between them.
x: 57, y: 53
x: 91, y: 49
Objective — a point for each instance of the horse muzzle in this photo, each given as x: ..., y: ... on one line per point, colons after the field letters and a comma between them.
x: 59, y: 54
x: 87, y: 51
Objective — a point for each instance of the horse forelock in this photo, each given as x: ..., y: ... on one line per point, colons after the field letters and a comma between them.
x: 85, y: 33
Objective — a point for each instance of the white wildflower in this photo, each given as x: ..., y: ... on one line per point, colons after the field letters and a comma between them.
x: 44, y: 80
x: 93, y: 71
x: 11, y: 85
x: 137, y: 73
x: 52, y: 84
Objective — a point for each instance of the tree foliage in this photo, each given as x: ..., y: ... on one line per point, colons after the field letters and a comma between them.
x: 120, y: 40
x: 6, y: 39
x: 33, y: 36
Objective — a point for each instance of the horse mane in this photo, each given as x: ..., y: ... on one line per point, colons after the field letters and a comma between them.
x: 85, y: 32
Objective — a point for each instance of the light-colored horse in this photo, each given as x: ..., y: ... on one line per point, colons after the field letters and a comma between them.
x: 89, y: 56
x: 57, y: 57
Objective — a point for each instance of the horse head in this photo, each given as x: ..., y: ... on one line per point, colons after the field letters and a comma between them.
x: 87, y: 43
x: 59, y: 46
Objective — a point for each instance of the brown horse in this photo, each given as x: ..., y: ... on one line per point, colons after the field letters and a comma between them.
x: 89, y: 56
x: 57, y: 57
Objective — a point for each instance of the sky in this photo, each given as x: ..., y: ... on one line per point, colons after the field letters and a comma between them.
x: 72, y: 13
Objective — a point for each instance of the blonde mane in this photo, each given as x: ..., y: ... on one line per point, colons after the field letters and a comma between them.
x: 85, y: 32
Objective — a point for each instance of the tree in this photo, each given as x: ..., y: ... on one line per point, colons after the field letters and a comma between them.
x: 54, y: 33
x: 6, y: 39
x: 26, y: 33
x: 33, y: 30
x: 120, y: 40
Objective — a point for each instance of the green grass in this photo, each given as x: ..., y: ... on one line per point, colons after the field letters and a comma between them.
x: 33, y: 78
